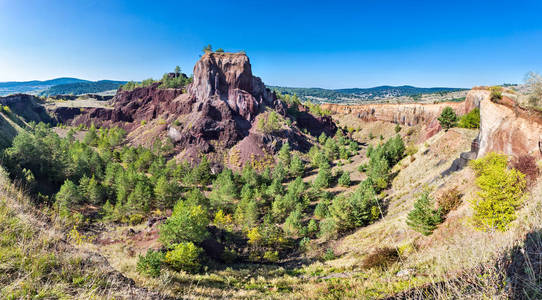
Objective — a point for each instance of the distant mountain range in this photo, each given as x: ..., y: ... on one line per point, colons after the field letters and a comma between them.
x: 76, y: 86
x: 58, y: 86
x: 361, y: 94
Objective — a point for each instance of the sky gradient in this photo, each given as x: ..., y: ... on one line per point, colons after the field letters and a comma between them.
x: 339, y: 44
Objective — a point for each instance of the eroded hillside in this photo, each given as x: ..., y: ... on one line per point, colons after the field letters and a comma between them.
x: 221, y: 188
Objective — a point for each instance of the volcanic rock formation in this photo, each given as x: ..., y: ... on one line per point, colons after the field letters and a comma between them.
x: 217, y: 111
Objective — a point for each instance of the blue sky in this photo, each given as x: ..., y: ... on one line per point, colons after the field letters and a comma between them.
x: 330, y: 44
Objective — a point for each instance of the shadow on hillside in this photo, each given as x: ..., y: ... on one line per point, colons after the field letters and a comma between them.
x: 524, y: 270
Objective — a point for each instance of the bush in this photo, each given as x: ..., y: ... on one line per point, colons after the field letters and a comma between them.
x: 344, y: 180
x: 470, y: 120
x: 188, y: 223
x: 329, y: 255
x: 270, y: 122
x: 323, y: 178
x: 397, y: 128
x: 526, y: 164
x: 448, y: 118
x: 354, y: 210
x: 423, y: 218
x: 501, y: 192
x: 381, y: 257
x: 448, y: 201
x: 297, y: 167
x: 150, y: 263
x: 496, y: 94
x: 185, y: 257
x: 271, y: 256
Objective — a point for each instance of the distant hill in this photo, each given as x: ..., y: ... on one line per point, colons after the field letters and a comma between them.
x: 79, y: 88
x: 360, y: 94
x: 64, y: 85
x: 34, y: 86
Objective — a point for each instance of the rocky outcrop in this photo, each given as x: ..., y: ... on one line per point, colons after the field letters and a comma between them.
x: 405, y: 114
x: 507, y: 128
x: 218, y: 110
x: 29, y: 107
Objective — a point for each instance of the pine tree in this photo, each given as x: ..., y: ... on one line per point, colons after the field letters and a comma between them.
x: 344, y: 180
x: 448, y: 118
x: 297, y: 167
x: 284, y: 154
x: 424, y: 218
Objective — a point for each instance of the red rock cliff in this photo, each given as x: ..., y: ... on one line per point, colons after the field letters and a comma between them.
x: 507, y: 128
x: 405, y: 114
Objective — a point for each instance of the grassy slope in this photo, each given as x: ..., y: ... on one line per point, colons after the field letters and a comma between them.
x: 37, y: 261
x: 456, y: 261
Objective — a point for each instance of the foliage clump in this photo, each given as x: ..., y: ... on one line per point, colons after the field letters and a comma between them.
x: 381, y: 257
x: 501, y: 192
x: 185, y: 257
x: 449, y: 200
x: 151, y: 263
x: 448, y: 118
x: 470, y: 120
x: 424, y: 218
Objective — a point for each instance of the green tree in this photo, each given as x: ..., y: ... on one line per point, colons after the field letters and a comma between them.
x: 68, y: 195
x: 284, y: 154
x: 185, y: 257
x: 188, y: 223
x: 448, y: 118
x: 501, y: 192
x: 208, y: 49
x: 470, y: 120
x: 323, y: 179
x: 297, y: 166
x: 354, y: 210
x: 224, y: 191
x: 344, y: 180
x: 164, y: 193
x: 424, y: 218
x: 177, y: 70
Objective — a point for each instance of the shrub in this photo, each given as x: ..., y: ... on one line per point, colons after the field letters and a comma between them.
x: 68, y: 195
x: 448, y: 118
x: 470, y: 120
x: 449, y: 200
x: 270, y: 122
x: 323, y: 178
x: 496, y: 94
x: 424, y: 218
x: 188, y: 223
x: 526, y: 164
x: 501, y: 192
x: 344, y: 180
x: 354, y: 210
x: 322, y: 209
x: 297, y: 167
x: 312, y: 227
x: 271, y: 256
x: 329, y: 255
x: 534, y: 82
x: 411, y: 150
x: 185, y: 257
x: 381, y: 257
x: 150, y: 263
x: 397, y: 128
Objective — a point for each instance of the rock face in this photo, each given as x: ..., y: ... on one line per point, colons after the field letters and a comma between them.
x: 27, y: 106
x: 507, y: 128
x: 405, y: 114
x: 218, y: 110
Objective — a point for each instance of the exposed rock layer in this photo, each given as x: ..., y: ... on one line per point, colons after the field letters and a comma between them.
x: 217, y: 111
x: 509, y: 129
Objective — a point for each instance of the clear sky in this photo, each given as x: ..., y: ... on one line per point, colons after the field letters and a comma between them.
x: 330, y: 44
